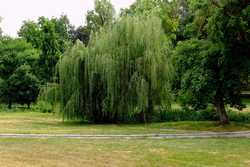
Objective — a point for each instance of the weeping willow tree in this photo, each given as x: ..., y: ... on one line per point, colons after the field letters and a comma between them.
x: 124, y: 73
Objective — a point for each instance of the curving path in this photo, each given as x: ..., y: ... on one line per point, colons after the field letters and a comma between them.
x: 244, y: 134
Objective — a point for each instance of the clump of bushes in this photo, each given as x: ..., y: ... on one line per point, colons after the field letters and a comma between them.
x: 208, y: 114
x: 188, y: 115
x: 44, y: 107
x: 239, y: 116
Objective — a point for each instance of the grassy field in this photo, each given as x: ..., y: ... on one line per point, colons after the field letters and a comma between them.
x: 220, y: 152
x: 124, y: 153
x: 43, y: 123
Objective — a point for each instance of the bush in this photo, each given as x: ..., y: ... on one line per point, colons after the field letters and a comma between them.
x: 44, y: 107
x: 188, y: 115
x: 239, y: 116
x: 208, y: 114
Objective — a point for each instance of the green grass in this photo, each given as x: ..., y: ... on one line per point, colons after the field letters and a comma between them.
x: 246, y: 102
x: 116, y: 152
x: 124, y: 153
x: 46, y: 123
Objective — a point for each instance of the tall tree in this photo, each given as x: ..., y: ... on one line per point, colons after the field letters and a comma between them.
x: 211, y: 68
x: 122, y: 75
x: 103, y: 14
x: 163, y: 9
x: 185, y: 16
x: 52, y: 37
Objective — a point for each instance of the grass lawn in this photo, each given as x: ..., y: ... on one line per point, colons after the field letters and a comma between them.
x: 125, y: 153
x: 42, y: 123
x: 117, y: 152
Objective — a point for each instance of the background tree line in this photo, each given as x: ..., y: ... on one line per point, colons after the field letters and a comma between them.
x: 29, y: 61
x: 193, y: 51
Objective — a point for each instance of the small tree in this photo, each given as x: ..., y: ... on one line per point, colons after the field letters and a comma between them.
x: 24, y: 86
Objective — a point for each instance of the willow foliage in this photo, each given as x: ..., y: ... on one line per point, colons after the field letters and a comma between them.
x: 123, y: 74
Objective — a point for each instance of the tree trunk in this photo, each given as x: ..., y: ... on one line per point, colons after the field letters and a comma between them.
x: 150, y: 108
x: 28, y: 105
x: 10, y: 104
x: 220, y: 107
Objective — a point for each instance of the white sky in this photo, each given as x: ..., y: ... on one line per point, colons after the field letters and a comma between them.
x: 14, y: 12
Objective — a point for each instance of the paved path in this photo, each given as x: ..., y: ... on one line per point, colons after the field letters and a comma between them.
x: 244, y: 134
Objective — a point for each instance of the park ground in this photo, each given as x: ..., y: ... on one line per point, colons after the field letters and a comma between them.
x: 51, y: 152
x: 125, y: 153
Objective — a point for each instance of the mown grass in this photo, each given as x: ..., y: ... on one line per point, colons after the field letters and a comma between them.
x: 221, y: 152
x: 124, y: 153
x: 48, y: 123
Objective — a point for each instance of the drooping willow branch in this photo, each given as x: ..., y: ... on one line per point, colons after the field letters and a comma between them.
x: 122, y: 75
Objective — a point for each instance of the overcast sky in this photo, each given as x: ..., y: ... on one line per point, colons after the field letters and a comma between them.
x: 14, y: 12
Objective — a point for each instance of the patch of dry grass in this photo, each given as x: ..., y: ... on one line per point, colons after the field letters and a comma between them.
x: 124, y: 153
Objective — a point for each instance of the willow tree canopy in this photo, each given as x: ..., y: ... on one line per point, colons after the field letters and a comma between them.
x: 122, y: 75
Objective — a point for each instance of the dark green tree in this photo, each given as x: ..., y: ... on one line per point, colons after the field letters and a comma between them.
x: 82, y: 34
x: 185, y: 16
x: 24, y: 86
x: 17, y: 83
x: 211, y: 68
x: 52, y: 37
x: 30, y: 30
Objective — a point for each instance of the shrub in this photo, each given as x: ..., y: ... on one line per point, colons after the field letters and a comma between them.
x: 239, y: 116
x: 44, y: 107
x: 208, y: 114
